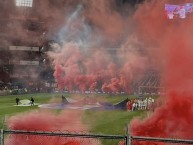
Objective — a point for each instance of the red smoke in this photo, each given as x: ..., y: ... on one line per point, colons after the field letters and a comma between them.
x: 170, y: 45
x: 103, y: 14
x: 167, y: 44
x: 97, y: 66
x: 68, y: 121
x: 75, y: 69
x: 97, y: 70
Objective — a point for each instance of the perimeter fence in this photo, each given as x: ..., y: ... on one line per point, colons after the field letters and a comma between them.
x: 18, y: 137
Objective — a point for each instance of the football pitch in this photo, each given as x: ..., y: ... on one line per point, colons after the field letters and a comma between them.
x: 99, y: 121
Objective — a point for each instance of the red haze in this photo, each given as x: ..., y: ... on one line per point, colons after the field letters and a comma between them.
x: 67, y: 121
x: 170, y: 46
x: 95, y: 70
x: 97, y: 66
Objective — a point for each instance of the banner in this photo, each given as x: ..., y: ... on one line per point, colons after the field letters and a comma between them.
x: 178, y: 11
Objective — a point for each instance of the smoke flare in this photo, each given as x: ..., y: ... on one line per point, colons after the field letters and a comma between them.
x: 169, y: 43
x: 47, y: 121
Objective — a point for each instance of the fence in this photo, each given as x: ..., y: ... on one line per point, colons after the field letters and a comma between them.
x: 17, y: 137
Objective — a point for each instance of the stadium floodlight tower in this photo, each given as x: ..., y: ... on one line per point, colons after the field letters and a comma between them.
x: 24, y: 3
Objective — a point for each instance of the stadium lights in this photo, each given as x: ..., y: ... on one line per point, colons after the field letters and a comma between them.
x: 24, y: 3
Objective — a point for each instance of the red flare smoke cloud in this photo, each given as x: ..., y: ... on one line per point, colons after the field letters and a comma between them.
x: 91, y: 68
x: 68, y: 121
x: 75, y: 70
x: 170, y: 45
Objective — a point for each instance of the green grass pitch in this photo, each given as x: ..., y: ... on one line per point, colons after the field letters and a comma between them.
x: 100, y: 122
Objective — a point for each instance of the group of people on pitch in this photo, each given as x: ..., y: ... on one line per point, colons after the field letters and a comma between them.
x: 140, y: 104
x: 31, y: 101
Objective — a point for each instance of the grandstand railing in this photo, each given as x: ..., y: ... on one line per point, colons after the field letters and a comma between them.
x: 15, y: 137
